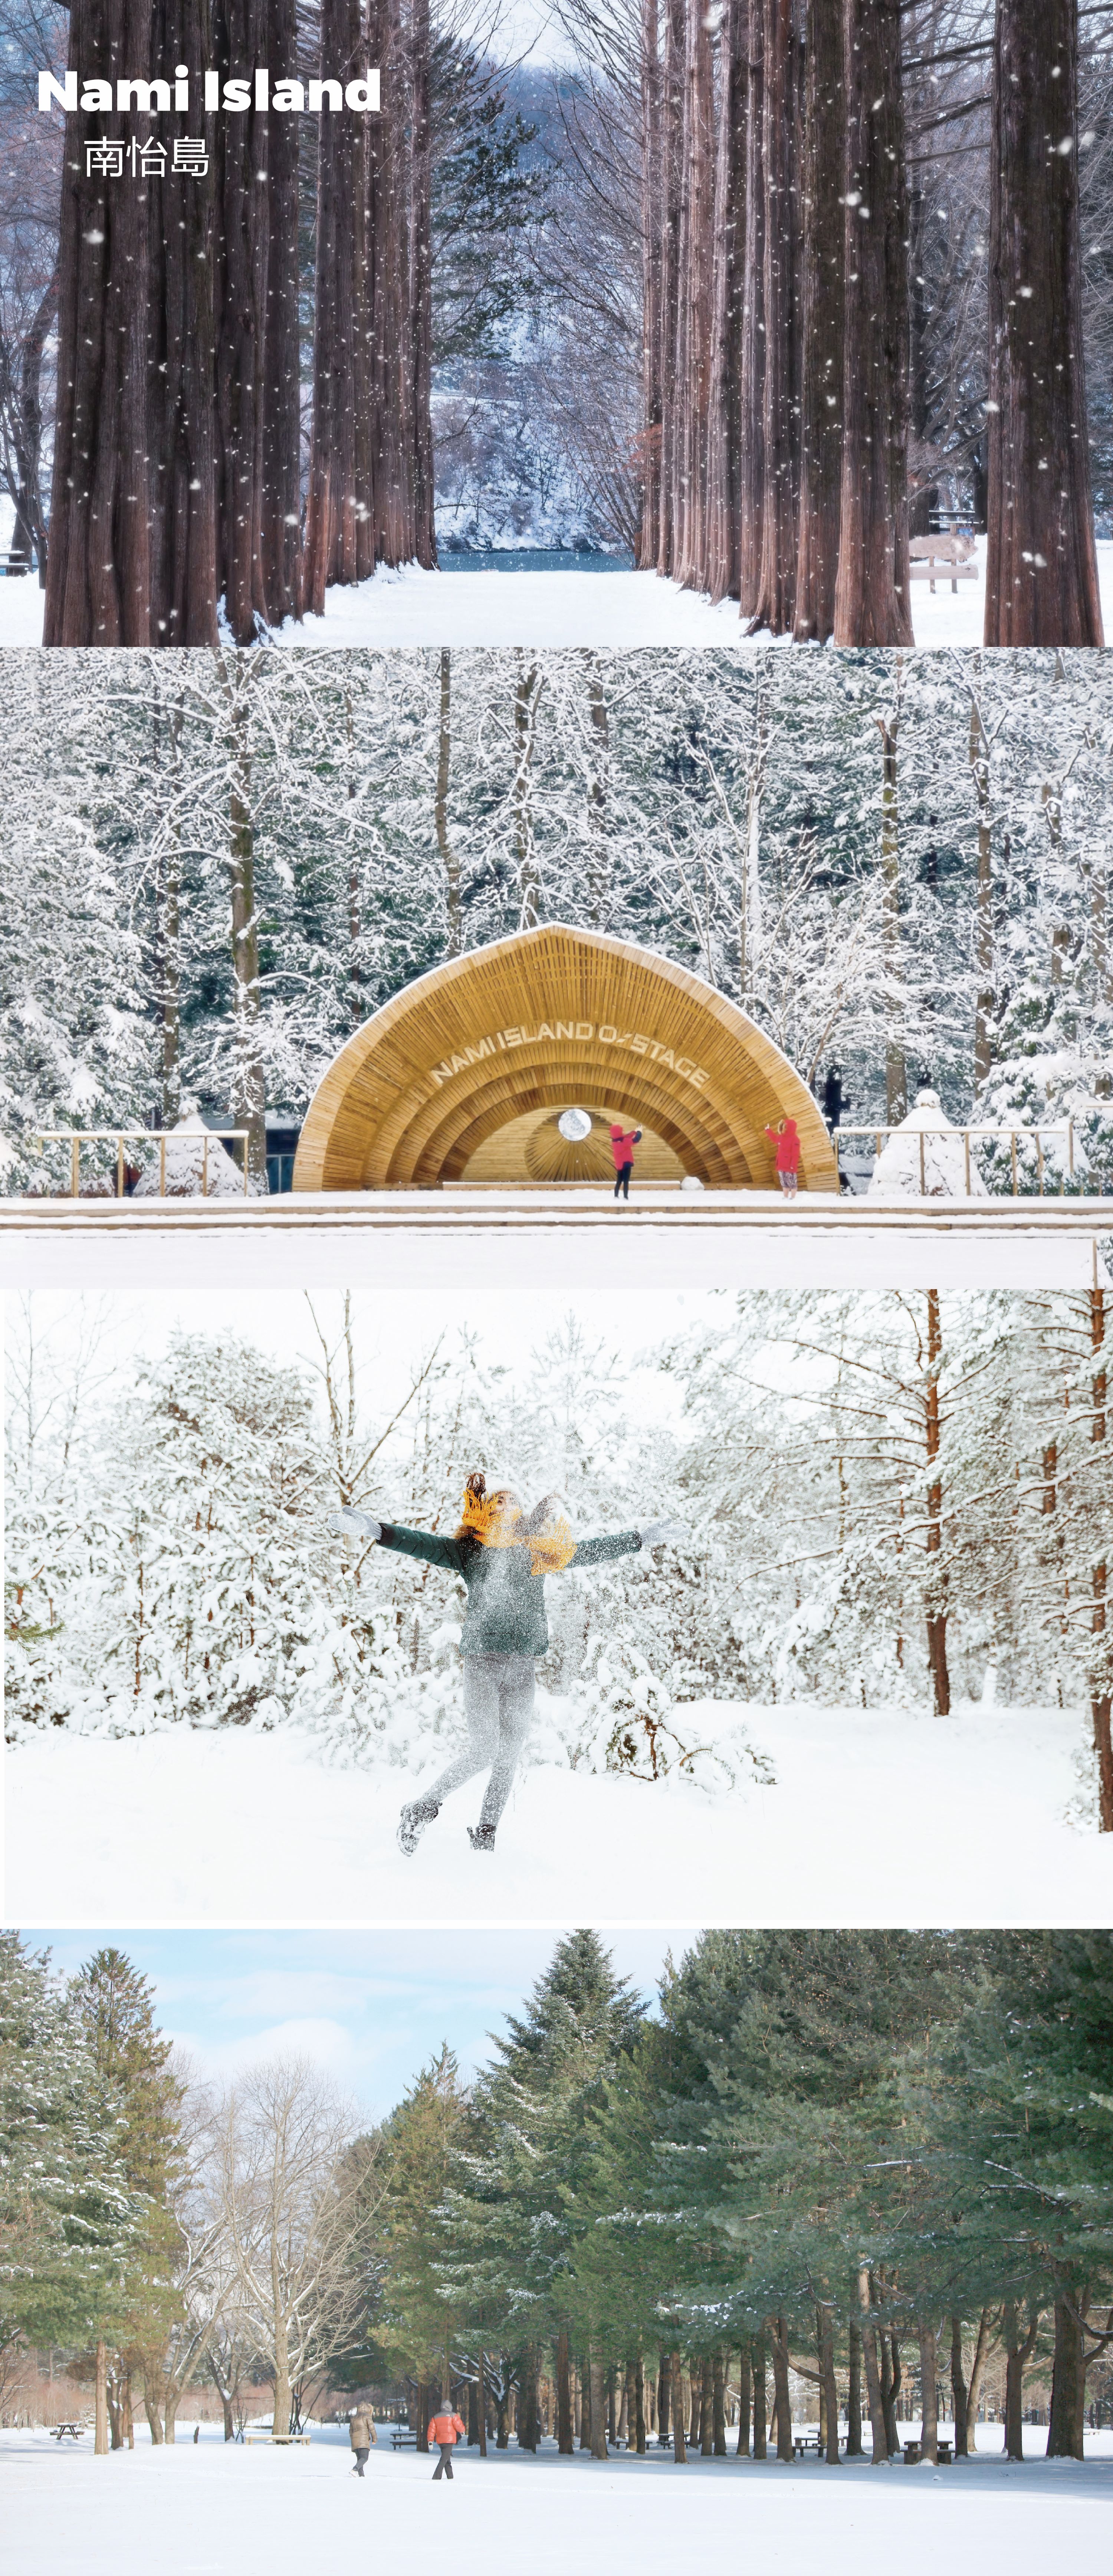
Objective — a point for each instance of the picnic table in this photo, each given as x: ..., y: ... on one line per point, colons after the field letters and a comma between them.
x: 58, y: 2432
x: 279, y: 2441
x: 913, y: 2454
x: 952, y: 557
x: 403, y: 2437
x: 805, y: 2442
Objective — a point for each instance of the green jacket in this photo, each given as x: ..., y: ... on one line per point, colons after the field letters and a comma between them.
x: 506, y: 1603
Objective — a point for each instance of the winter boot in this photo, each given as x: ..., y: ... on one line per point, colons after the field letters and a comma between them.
x: 481, y: 1837
x: 412, y: 1823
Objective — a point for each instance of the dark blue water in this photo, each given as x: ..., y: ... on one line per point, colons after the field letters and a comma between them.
x: 534, y: 559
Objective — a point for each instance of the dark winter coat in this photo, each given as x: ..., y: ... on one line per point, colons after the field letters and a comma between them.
x: 506, y: 1601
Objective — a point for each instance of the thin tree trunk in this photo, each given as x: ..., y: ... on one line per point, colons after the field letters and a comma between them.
x: 896, y: 1070
x: 821, y: 363
x: 707, y: 2406
x: 664, y: 2391
x: 98, y: 586
x: 873, y: 2376
x: 728, y: 288
x: 745, y: 2402
x: 854, y: 2449
x: 1018, y: 2351
x: 779, y: 2348
x: 240, y: 35
x: 694, y: 332
x: 776, y: 590
x: 676, y: 2398
x: 985, y: 1007
x: 639, y: 2406
x: 248, y: 1099
x: 718, y: 2406
x: 598, y: 2410
x: 449, y: 857
x: 1068, y: 2382
x: 649, y: 528
x: 340, y: 512
x: 929, y: 2408
x: 751, y: 466
x: 825, y: 2343
x: 29, y: 531
x: 100, y: 2403
x: 872, y: 592
x: 1041, y: 568
x: 959, y: 2391
x: 977, y: 2373
x: 1101, y: 1701
x: 672, y: 174
x: 761, y: 2439
x: 421, y: 182
x: 565, y: 2440
x: 937, y: 1611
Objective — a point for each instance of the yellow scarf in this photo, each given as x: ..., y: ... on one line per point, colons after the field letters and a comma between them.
x: 550, y: 1549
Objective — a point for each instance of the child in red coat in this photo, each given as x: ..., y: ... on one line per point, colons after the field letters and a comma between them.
x: 787, y: 1143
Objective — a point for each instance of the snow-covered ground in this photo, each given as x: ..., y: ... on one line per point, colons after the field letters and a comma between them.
x: 877, y: 1816
x: 549, y: 609
x: 216, y: 2509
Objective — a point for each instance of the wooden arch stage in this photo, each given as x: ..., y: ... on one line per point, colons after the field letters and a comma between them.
x: 464, y: 1075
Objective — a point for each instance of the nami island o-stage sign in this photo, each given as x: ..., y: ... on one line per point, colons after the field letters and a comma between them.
x: 464, y: 1075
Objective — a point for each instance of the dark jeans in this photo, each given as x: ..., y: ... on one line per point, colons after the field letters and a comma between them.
x: 622, y: 1180
x: 445, y: 2461
x: 362, y: 2458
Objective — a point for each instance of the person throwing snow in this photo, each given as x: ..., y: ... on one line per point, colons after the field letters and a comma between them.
x: 445, y: 2430
x: 787, y: 1143
x: 623, y: 1141
x: 503, y: 1555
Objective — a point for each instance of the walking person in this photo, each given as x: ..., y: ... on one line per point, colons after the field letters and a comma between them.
x: 361, y: 2434
x: 623, y: 1141
x: 784, y: 1137
x: 503, y: 1555
x: 445, y: 2430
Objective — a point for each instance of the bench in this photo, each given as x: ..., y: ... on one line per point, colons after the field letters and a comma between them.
x: 58, y: 2432
x: 403, y: 2438
x: 278, y: 2441
x: 805, y: 2442
x: 951, y: 557
x: 913, y: 2454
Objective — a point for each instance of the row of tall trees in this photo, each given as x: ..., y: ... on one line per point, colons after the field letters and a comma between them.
x: 786, y: 376
x: 887, y: 1502
x: 898, y: 862
x: 824, y: 2155
x: 177, y: 474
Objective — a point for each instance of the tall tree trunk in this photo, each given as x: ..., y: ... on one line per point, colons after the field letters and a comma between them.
x: 598, y: 2410
x: 565, y: 2441
x: 977, y: 2373
x: 672, y: 181
x: 649, y: 526
x: 873, y: 2375
x: 389, y: 241
x: 1018, y: 2351
x: 751, y: 463
x: 872, y: 592
x: 240, y: 36
x: 183, y: 255
x: 776, y: 589
x: 745, y: 2402
x: 526, y: 696
x: 707, y: 2406
x: 778, y: 2345
x: 890, y: 2384
x: 171, y: 2404
x: 340, y: 511
x: 694, y: 334
x: 937, y: 1602
x: 676, y: 2400
x: 481, y: 2396
x: 280, y: 498
x: 929, y: 2407
x: 959, y: 2391
x: 825, y: 2347
x: 854, y: 2394
x: 154, y: 2419
x: 421, y: 182
x: 449, y: 857
x: 169, y: 946
x: 29, y: 532
x: 1041, y: 570
x: 664, y: 2392
x: 639, y: 2406
x: 821, y: 363
x: 100, y: 2402
x: 761, y: 2435
x: 718, y: 2405
x: 1068, y: 2381
x: 728, y: 288
x: 98, y: 586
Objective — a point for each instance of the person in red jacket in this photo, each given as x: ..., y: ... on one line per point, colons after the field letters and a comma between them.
x: 623, y: 1141
x: 787, y: 1143
x: 445, y: 2430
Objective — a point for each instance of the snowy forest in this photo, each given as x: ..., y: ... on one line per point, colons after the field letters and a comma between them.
x: 214, y: 867
x: 862, y: 2179
x: 886, y: 1502
x: 753, y: 291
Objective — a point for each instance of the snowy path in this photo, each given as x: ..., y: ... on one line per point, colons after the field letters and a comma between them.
x: 877, y: 1817
x: 211, y: 2509
x: 610, y: 610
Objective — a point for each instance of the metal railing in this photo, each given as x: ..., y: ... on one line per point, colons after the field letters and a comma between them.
x: 76, y: 1137
x: 924, y: 1134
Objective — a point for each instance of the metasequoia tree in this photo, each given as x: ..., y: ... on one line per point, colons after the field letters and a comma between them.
x: 821, y: 323
x: 872, y: 585
x: 340, y: 522
x: 1041, y: 576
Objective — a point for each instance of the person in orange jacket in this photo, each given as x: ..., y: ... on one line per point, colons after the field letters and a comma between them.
x: 445, y: 2430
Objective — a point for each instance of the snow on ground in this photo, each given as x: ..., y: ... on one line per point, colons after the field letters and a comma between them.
x: 550, y: 609
x: 306, y: 1243
x: 877, y: 1816
x: 213, y: 2508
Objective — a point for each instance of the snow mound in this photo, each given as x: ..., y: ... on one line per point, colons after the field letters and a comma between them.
x: 904, y: 1170
x: 185, y: 1166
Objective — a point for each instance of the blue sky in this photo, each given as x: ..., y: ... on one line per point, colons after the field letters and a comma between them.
x: 371, y: 2006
